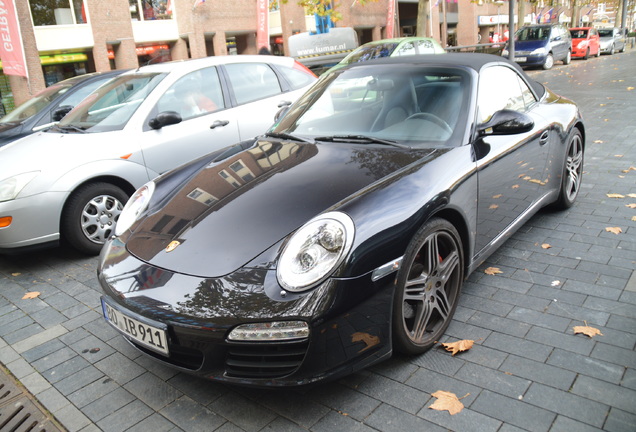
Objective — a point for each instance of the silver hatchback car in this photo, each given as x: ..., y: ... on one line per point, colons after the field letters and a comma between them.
x: 71, y: 182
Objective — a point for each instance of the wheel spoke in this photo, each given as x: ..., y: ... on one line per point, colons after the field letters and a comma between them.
x: 441, y: 303
x: 448, y: 265
x: 432, y: 253
x: 421, y: 321
x: 414, y: 289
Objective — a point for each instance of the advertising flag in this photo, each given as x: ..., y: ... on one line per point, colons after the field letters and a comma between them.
x: 11, y: 48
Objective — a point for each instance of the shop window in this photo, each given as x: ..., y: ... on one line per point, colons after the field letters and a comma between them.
x: 149, y: 10
x: 57, y: 12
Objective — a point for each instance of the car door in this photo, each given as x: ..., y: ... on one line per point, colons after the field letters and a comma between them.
x: 511, y: 168
x: 208, y: 121
x: 258, y: 95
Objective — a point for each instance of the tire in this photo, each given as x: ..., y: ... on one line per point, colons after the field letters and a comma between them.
x: 611, y: 52
x: 587, y: 54
x: 90, y: 215
x: 427, y: 290
x: 549, y: 62
x: 572, y: 172
x: 568, y: 58
x: 598, y: 52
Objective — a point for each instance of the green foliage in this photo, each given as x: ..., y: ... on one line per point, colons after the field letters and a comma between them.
x: 321, y: 7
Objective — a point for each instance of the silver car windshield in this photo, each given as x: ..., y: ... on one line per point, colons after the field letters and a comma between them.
x: 36, y: 104
x: 413, y: 106
x: 111, y: 106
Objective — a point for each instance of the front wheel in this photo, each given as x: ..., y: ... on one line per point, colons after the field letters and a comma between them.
x: 549, y: 62
x: 427, y: 288
x: 90, y: 216
x: 572, y: 171
x: 587, y: 54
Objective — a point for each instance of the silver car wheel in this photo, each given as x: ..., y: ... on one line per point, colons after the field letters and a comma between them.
x: 99, y: 217
x: 573, y: 168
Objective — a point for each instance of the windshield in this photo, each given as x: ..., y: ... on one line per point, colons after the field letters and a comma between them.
x: 411, y: 104
x: 533, y: 33
x: 371, y: 52
x: 112, y: 105
x: 578, y: 34
x: 37, y: 103
x: 606, y: 32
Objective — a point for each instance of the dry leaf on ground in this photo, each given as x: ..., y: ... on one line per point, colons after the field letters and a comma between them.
x: 587, y: 330
x: 546, y: 246
x: 634, y: 218
x: 615, y: 230
x: 459, y: 346
x: 615, y: 195
x: 31, y: 295
x: 633, y: 205
x: 447, y: 401
x: 631, y: 195
x: 492, y: 271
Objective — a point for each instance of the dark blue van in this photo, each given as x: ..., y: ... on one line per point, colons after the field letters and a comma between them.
x: 542, y: 45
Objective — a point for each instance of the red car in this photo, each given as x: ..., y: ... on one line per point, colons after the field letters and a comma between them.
x: 585, y: 42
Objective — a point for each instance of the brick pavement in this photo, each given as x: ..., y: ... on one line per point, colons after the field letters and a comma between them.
x: 527, y: 371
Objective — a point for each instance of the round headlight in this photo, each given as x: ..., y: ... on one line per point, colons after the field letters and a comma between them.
x: 136, y: 205
x: 315, y: 251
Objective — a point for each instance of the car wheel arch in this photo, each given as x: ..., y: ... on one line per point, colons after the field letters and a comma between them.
x: 455, y: 218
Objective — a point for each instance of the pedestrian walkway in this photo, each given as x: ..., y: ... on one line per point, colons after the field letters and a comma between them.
x: 528, y: 370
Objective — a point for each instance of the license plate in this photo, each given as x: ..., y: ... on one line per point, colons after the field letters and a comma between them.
x: 521, y: 59
x: 149, y: 336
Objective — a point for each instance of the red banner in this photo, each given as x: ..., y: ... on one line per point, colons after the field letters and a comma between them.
x: 262, y: 22
x: 390, y: 20
x: 11, y: 50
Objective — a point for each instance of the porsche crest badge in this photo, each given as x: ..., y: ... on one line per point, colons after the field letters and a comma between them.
x: 173, y: 245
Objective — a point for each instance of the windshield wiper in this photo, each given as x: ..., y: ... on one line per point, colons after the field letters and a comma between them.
x: 284, y: 135
x: 361, y: 139
x: 70, y: 128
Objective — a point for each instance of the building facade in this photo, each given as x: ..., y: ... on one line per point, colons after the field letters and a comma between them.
x: 64, y: 38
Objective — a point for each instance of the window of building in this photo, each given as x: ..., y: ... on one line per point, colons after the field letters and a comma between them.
x: 148, y: 10
x: 57, y: 12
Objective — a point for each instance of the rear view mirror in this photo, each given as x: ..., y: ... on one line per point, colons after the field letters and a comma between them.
x: 60, y: 112
x: 165, y: 118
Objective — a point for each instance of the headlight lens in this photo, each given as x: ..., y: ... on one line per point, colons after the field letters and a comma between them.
x: 136, y: 205
x: 11, y: 187
x: 274, y: 331
x: 538, y: 51
x: 314, y: 251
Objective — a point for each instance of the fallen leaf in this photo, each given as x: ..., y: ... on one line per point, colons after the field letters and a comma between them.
x: 598, y: 142
x: 492, y: 271
x: 630, y: 88
x: 633, y: 205
x: 556, y: 283
x: 527, y: 178
x: 16, y: 274
x: 632, y: 195
x: 447, y: 401
x: 633, y: 218
x: 515, y: 186
x: 618, y: 156
x: 368, y: 339
x: 631, y: 168
x: 459, y: 346
x: 615, y: 230
x: 31, y: 295
x: 497, y: 196
x: 546, y: 246
x: 615, y: 195
x: 587, y: 330
x: 537, y: 181
x: 493, y: 206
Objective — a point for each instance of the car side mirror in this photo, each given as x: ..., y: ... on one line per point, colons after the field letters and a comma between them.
x: 281, y: 112
x: 60, y: 112
x: 506, y: 122
x: 165, y: 118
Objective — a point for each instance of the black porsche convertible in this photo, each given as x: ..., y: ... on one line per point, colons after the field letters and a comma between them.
x: 346, y: 231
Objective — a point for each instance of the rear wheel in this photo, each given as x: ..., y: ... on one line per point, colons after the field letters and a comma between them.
x: 611, y: 50
x: 572, y: 171
x: 549, y: 62
x: 428, y: 287
x: 568, y: 58
x: 90, y: 215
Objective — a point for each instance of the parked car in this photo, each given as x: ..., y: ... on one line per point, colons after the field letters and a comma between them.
x: 585, y: 42
x: 613, y: 40
x: 346, y: 231
x: 542, y: 45
x: 49, y: 106
x: 72, y: 181
x: 396, y: 47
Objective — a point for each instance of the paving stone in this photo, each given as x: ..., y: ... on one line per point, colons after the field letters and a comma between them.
x: 580, y: 314
x: 152, y: 391
x: 499, y: 324
x: 155, y: 423
x: 493, y: 380
x: 390, y: 419
x: 620, y: 421
x: 60, y: 356
x: 513, y: 411
x: 521, y: 347
x: 460, y: 330
x: 397, y: 368
x: 334, y: 421
x: 347, y: 401
x: 540, y: 319
x: 467, y: 420
x: 242, y: 412
x: 592, y: 289
x: 283, y: 425
x: 568, y: 341
x: 585, y: 365
x: 538, y: 372
x: 605, y: 393
x: 430, y: 382
x: 563, y: 403
x: 108, y: 404
x: 614, y: 354
x: 557, y: 294
x: 190, y: 416
x: 613, y: 307
x: 126, y: 417
x: 92, y: 392
x: 391, y: 392
x: 622, y: 323
x: 438, y: 361
x: 78, y: 380
x: 565, y: 424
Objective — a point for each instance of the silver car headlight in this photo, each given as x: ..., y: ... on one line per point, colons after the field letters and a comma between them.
x: 12, y: 186
x: 135, y: 206
x: 315, y: 251
x: 538, y: 51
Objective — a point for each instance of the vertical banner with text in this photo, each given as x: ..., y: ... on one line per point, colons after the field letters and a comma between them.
x: 11, y: 49
x: 262, y: 32
x: 390, y: 19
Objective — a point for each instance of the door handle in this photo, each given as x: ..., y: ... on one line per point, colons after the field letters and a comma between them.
x: 219, y: 123
x: 543, y: 139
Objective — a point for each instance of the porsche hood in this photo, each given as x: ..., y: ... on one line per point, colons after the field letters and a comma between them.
x: 235, y: 209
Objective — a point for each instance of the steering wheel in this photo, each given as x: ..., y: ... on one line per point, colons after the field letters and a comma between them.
x: 433, y: 119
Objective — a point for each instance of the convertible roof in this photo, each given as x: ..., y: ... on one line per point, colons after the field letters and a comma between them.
x: 473, y: 61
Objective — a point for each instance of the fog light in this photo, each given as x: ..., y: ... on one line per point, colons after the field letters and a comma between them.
x: 5, y: 221
x: 272, y: 331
